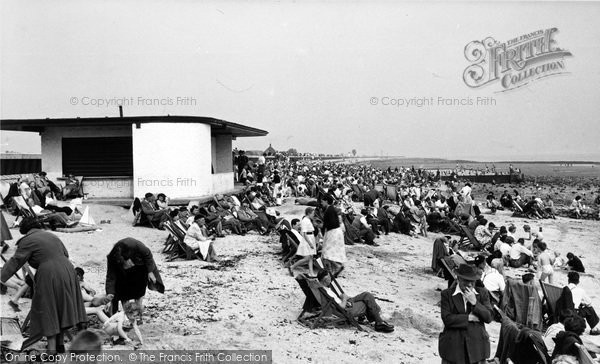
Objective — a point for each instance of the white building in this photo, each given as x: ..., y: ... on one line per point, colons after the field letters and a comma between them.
x: 184, y: 157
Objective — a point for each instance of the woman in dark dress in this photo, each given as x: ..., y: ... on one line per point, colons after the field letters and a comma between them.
x: 57, y: 303
x: 131, y: 269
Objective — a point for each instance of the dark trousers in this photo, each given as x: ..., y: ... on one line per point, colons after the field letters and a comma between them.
x: 523, y: 259
x: 364, y: 304
x: 589, y: 314
x: 367, y: 235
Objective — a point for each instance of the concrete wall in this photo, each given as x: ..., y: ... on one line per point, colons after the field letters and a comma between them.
x: 222, y: 182
x: 52, y: 144
x: 172, y: 158
x: 104, y: 187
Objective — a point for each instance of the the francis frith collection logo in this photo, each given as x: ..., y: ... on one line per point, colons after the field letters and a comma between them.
x: 516, y: 62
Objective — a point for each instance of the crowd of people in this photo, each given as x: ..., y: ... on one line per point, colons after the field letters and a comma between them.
x: 345, y: 205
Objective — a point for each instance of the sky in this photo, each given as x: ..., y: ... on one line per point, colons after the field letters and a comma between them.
x: 318, y: 76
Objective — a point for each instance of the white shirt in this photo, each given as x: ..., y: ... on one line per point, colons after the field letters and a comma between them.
x: 579, y: 296
x: 517, y: 249
x: 306, y: 225
x: 465, y: 191
x: 551, y: 333
x: 261, y: 160
x: 505, y: 249
x: 494, y: 281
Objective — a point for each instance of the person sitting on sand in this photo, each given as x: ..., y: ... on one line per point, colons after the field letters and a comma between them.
x: 126, y: 315
x: 576, y: 207
x: 482, y: 234
x: 519, y: 255
x: 361, y: 305
x: 494, y: 280
x: 575, y: 263
x: 583, y: 303
x: 549, y: 208
x: 94, y: 303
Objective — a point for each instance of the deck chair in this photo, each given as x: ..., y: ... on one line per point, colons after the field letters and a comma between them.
x: 357, y: 192
x: 391, y: 193
x: 468, y: 238
x: 584, y: 356
x: 551, y: 295
x: 179, y: 248
x: 289, y: 245
x: 521, y: 345
x: 331, y: 312
x: 522, y: 303
x: 25, y: 211
x: 464, y: 208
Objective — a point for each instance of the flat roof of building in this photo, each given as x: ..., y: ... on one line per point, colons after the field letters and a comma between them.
x: 219, y: 127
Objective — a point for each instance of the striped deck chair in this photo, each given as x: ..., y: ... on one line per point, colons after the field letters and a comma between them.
x: 551, y: 295
x: 25, y: 211
x: 179, y: 249
x: 468, y: 239
x: 331, y: 313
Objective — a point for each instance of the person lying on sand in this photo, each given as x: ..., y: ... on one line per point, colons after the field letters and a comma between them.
x: 361, y: 305
x: 94, y: 303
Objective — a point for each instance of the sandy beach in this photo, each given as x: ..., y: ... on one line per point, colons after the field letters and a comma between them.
x: 249, y: 301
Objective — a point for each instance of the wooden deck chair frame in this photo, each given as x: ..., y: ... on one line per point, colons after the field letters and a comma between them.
x: 293, y: 247
x: 469, y: 237
x: 26, y: 211
x: 551, y: 295
x: 184, y: 250
x: 329, y: 307
x: 584, y: 356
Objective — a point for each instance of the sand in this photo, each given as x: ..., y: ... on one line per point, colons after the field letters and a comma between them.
x: 249, y: 301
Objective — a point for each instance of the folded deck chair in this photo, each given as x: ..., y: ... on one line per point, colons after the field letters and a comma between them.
x: 522, y: 303
x: 331, y: 312
x: 551, y: 295
x: 520, y: 344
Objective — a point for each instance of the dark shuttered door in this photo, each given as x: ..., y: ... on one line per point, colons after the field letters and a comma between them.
x: 98, y: 157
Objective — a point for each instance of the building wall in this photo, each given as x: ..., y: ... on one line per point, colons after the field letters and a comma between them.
x: 106, y: 187
x: 222, y: 182
x: 172, y: 158
x: 52, y: 144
